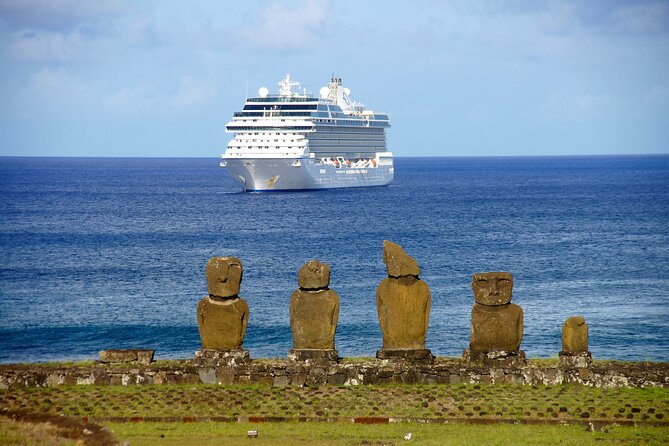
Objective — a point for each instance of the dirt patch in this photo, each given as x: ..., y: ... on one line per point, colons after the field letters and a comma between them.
x: 55, y: 428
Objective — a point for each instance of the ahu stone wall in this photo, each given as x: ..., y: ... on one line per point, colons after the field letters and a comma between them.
x: 347, y: 372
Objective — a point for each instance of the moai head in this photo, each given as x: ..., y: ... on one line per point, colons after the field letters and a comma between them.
x: 224, y: 276
x: 492, y: 288
x: 575, y: 335
x: 314, y: 275
x: 399, y: 263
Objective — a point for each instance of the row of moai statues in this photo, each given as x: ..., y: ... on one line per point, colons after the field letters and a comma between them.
x: 403, y: 306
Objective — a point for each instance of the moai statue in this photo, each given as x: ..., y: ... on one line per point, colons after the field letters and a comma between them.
x: 222, y: 316
x: 497, y: 324
x: 403, y: 305
x: 314, y: 312
x: 575, y: 344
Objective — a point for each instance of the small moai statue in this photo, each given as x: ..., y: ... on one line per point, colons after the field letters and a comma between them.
x: 314, y: 312
x: 496, y: 324
x: 222, y: 316
x: 403, y: 305
x: 575, y: 352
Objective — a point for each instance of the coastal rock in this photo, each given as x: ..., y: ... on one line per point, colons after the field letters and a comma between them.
x: 498, y: 327
x: 575, y: 335
x: 313, y: 318
x: 403, y: 306
x: 492, y: 288
x: 399, y: 263
x: 224, y: 276
x: 314, y: 275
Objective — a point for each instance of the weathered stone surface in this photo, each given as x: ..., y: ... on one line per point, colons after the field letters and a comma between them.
x: 142, y: 356
x: 372, y: 371
x: 575, y: 335
x: 492, y: 288
x: 314, y: 356
x: 422, y: 356
x: 224, y: 276
x: 495, y: 358
x: 399, y: 263
x: 314, y: 275
x: 222, y: 322
x: 403, y: 306
x: 496, y: 327
x: 218, y: 357
x: 313, y: 319
x: 570, y: 360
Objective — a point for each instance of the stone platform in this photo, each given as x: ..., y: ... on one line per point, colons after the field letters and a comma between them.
x: 349, y: 372
x: 495, y: 358
x: 418, y: 356
x: 314, y: 356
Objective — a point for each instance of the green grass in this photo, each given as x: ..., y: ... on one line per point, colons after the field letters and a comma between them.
x: 502, y: 402
x: 331, y: 434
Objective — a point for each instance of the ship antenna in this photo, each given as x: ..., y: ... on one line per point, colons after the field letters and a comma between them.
x: 247, y: 88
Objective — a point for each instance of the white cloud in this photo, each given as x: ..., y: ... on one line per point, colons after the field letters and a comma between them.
x: 149, y: 97
x: 580, y: 104
x: 283, y: 28
x: 57, y: 14
x: 55, y: 89
x: 191, y: 94
x: 140, y: 98
x: 643, y: 17
x: 45, y: 46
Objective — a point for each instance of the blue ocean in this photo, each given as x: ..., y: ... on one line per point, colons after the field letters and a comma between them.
x: 110, y: 253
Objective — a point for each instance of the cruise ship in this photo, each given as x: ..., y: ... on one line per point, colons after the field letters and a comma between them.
x: 296, y: 141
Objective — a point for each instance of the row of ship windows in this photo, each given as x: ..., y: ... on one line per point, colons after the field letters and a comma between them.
x: 266, y: 147
x: 266, y: 140
x: 323, y: 129
x: 356, y: 122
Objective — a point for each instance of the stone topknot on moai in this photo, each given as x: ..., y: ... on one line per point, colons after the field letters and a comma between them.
x: 497, y: 324
x: 403, y: 305
x: 314, y: 312
x: 575, y: 344
x: 222, y: 316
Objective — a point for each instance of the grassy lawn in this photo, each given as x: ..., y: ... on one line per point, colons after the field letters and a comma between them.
x: 331, y: 434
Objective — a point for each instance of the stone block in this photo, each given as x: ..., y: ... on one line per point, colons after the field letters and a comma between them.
x: 414, y: 356
x: 495, y: 358
x: 141, y: 356
x: 314, y: 356
x: 575, y: 360
x: 337, y: 379
x: 218, y: 358
x: 207, y: 375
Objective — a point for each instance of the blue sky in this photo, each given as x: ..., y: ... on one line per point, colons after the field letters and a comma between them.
x: 142, y: 78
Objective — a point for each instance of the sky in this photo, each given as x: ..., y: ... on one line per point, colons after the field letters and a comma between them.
x: 457, y: 78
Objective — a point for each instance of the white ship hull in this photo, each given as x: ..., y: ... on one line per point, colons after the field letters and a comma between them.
x: 281, y: 174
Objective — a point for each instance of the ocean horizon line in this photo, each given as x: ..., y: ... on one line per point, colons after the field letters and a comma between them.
x: 600, y: 155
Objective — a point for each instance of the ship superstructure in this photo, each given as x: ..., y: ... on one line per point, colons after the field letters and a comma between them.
x: 293, y: 140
